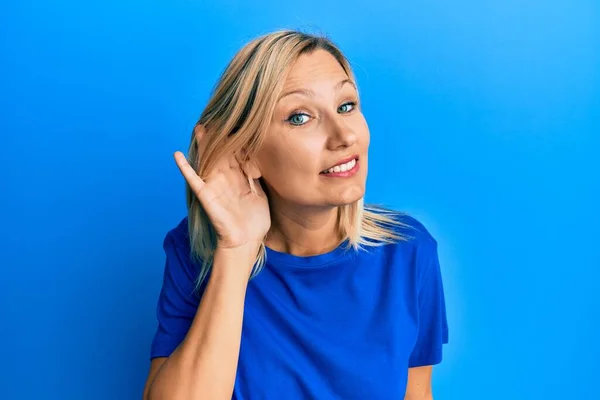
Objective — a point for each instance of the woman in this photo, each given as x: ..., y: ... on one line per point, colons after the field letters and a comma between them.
x: 280, y: 283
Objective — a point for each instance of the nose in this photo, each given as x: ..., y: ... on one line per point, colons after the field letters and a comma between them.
x: 341, y: 133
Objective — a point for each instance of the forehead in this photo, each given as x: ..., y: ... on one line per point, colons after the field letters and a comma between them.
x: 316, y: 66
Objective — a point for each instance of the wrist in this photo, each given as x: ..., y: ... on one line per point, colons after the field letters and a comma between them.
x: 239, y: 259
x: 246, y: 249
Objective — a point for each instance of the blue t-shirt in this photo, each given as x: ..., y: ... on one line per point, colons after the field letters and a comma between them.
x: 342, y: 325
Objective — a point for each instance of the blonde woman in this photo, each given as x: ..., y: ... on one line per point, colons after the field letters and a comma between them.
x: 280, y: 283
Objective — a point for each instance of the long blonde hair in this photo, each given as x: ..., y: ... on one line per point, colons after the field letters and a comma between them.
x: 236, y: 119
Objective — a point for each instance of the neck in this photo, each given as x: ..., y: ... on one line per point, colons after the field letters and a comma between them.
x: 303, y: 231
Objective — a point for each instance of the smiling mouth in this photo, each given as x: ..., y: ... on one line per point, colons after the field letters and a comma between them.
x: 347, y: 166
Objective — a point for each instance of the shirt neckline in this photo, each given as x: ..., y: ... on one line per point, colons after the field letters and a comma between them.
x: 318, y: 260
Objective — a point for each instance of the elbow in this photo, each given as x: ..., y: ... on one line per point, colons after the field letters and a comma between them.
x: 149, y: 394
x: 154, y: 392
x: 419, y: 396
x: 155, y: 395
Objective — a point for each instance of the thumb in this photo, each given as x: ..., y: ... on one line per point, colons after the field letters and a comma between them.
x: 192, y: 178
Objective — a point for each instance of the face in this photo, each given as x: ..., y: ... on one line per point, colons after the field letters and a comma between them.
x: 315, y: 152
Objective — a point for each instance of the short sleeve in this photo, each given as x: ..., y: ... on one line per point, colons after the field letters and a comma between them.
x: 177, y: 302
x: 432, y: 322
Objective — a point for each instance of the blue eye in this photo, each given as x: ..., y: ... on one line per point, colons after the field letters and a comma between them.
x: 347, y: 107
x: 298, y: 119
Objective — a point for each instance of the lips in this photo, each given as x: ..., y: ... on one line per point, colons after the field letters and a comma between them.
x: 342, y: 165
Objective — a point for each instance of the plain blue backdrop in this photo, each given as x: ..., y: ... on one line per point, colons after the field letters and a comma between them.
x: 485, y: 123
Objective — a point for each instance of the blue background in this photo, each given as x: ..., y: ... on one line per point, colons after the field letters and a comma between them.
x: 485, y: 123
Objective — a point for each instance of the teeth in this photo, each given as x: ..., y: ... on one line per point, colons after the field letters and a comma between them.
x: 342, y: 167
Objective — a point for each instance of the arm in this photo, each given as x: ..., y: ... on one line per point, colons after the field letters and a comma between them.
x: 419, y: 384
x: 433, y: 325
x: 205, y: 364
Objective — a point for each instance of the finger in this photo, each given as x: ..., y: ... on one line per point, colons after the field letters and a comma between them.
x: 233, y: 178
x: 234, y: 162
x: 188, y: 172
x: 238, y: 172
x: 259, y: 189
x: 222, y: 165
x: 230, y: 167
x: 227, y: 163
x: 227, y: 177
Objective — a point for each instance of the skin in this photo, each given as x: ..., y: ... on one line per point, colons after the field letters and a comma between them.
x: 317, y: 122
x: 419, y: 384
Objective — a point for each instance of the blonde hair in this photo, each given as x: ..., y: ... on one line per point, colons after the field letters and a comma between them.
x: 235, y: 121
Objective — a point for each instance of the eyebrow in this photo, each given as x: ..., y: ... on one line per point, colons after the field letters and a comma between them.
x: 310, y: 93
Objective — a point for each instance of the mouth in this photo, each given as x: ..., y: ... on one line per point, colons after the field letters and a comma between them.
x: 343, y: 166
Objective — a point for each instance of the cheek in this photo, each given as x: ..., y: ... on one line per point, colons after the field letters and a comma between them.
x: 363, y: 129
x: 288, y: 163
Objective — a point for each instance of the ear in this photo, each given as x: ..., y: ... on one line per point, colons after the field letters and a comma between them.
x: 199, y: 132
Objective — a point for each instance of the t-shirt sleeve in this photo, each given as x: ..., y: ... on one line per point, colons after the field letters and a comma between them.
x: 432, y: 322
x: 177, y: 302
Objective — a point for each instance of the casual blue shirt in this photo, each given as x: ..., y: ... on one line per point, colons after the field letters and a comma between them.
x: 342, y: 325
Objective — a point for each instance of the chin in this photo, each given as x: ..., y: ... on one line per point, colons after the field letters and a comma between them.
x: 348, y: 196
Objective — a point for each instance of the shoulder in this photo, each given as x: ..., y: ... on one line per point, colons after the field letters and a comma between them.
x: 413, y: 259
x: 178, y: 250
x: 415, y: 247
x: 178, y: 236
x: 410, y: 231
x: 414, y: 231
